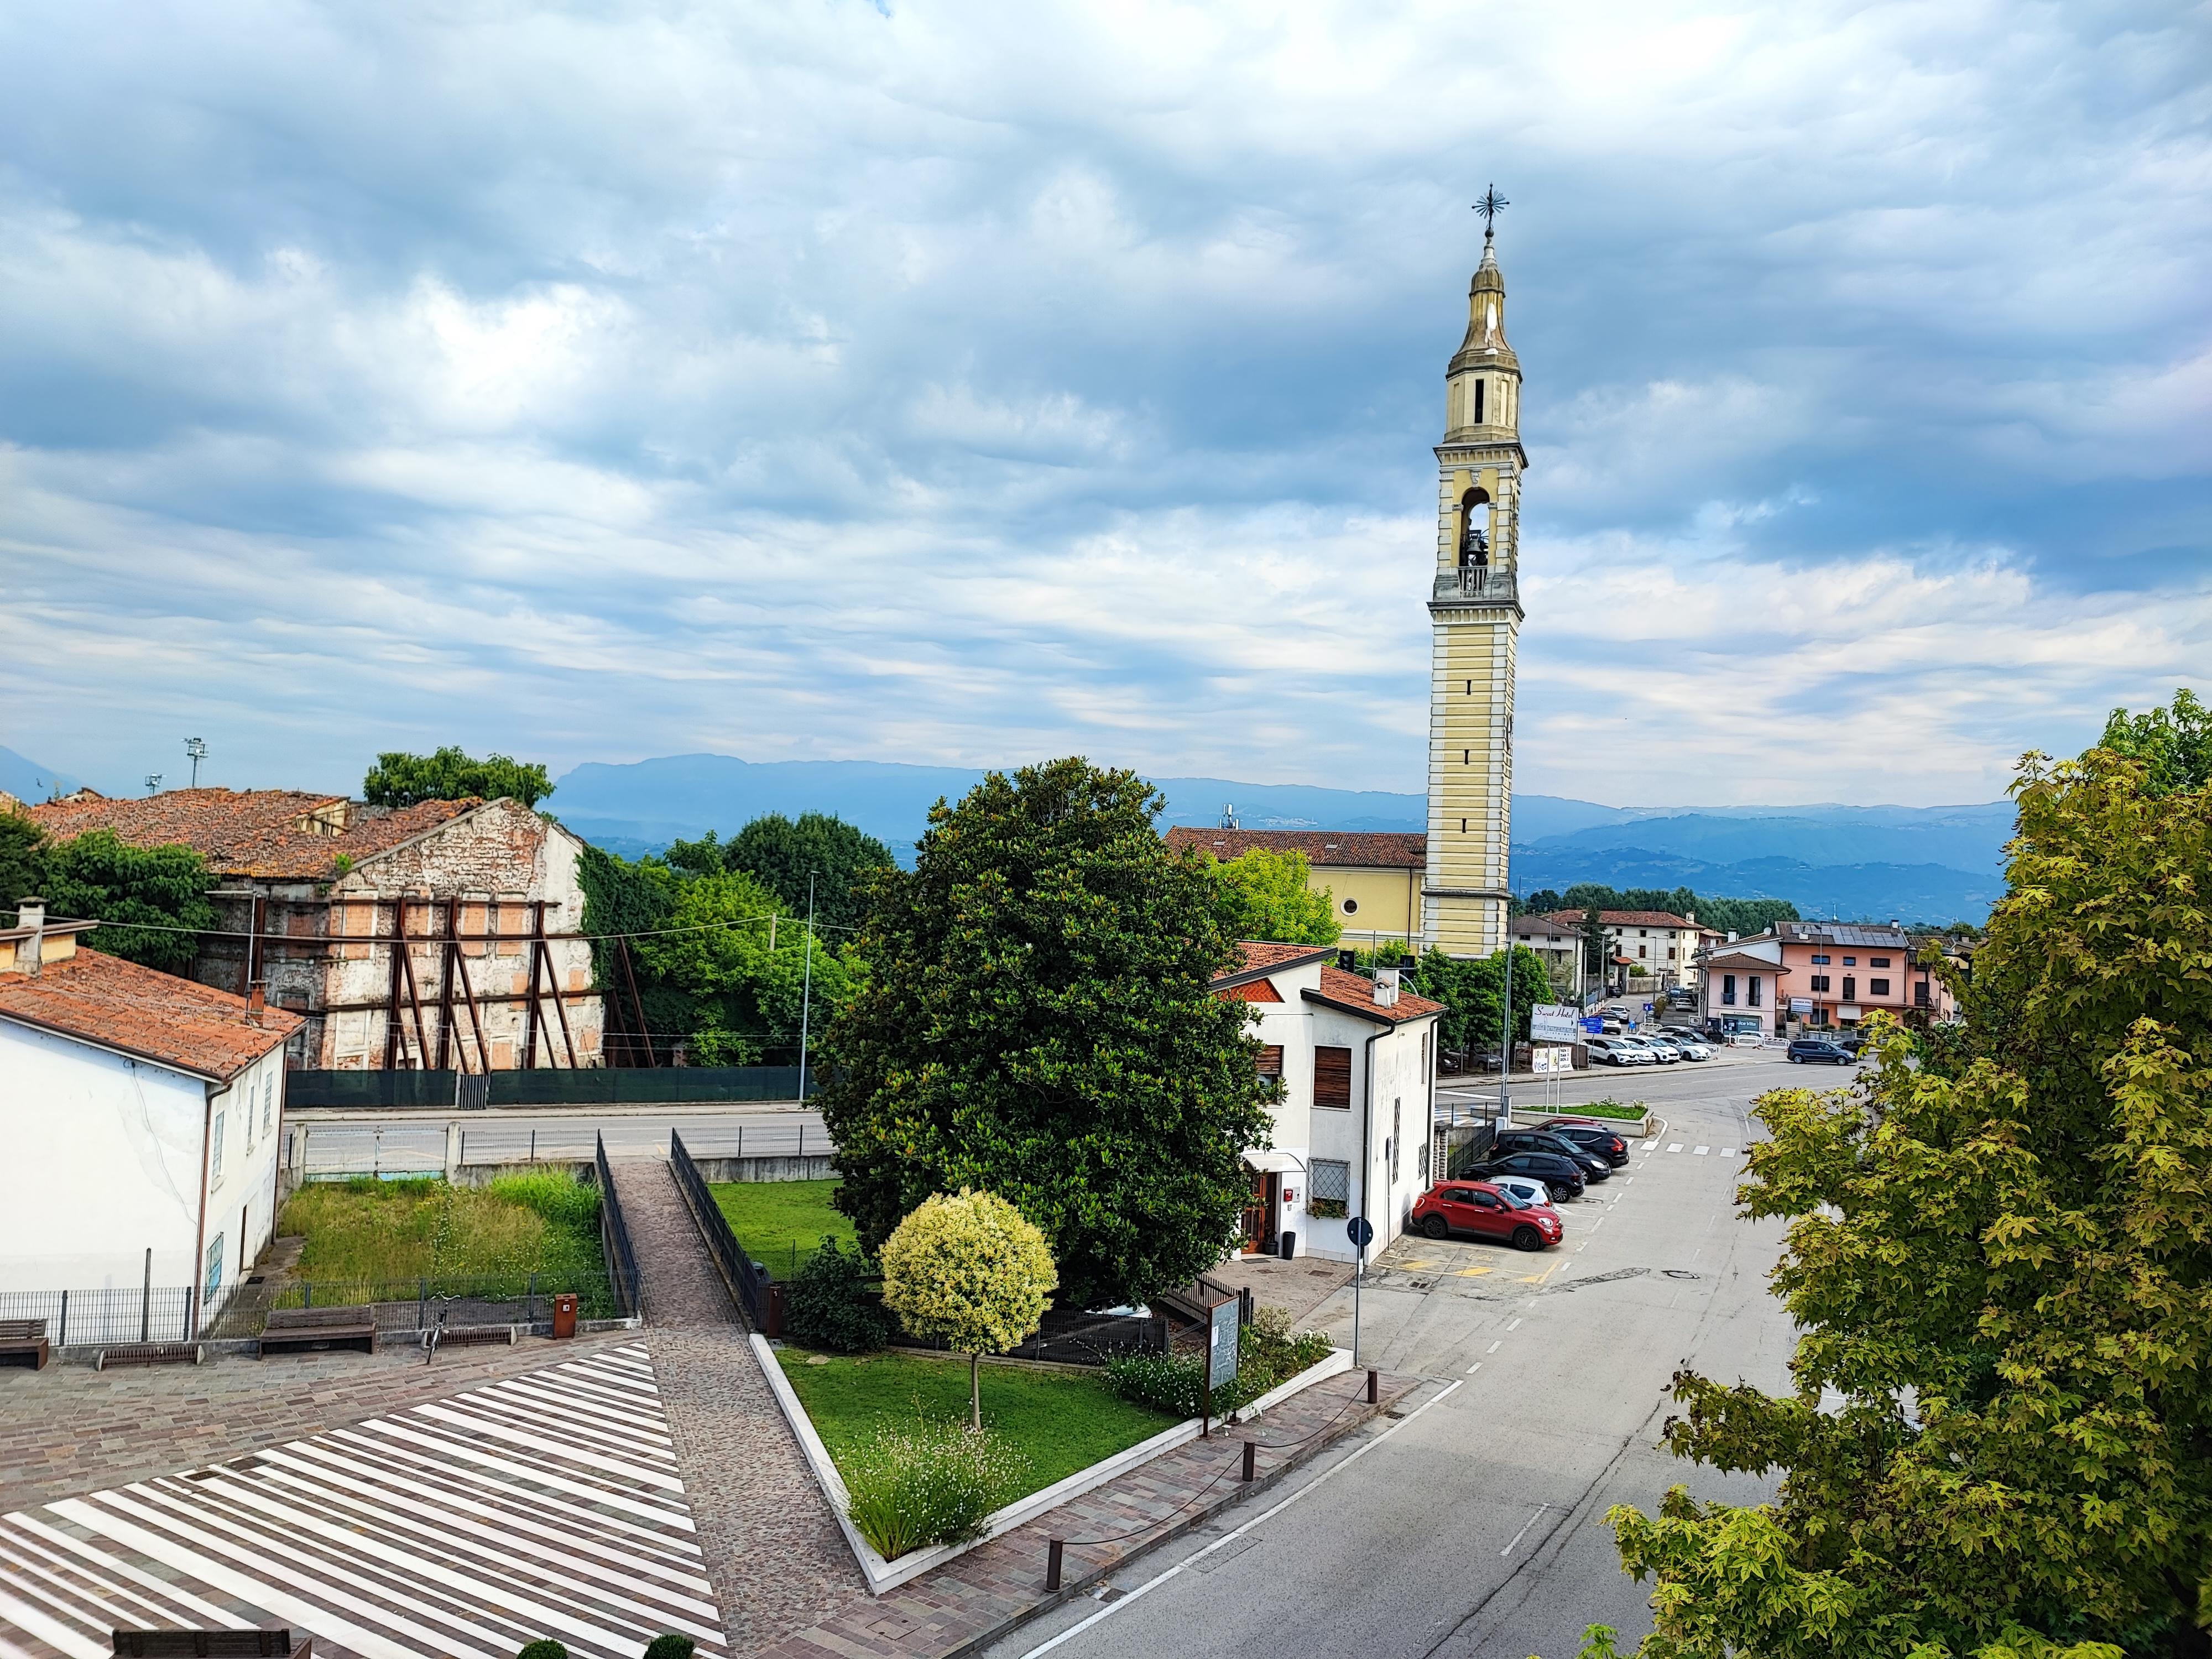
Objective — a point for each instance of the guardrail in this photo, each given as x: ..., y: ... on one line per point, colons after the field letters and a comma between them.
x: 614, y: 1234
x: 750, y: 1280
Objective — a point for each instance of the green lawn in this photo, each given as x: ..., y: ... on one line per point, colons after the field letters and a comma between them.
x: 782, y: 1223
x: 392, y: 1231
x: 1060, y: 1421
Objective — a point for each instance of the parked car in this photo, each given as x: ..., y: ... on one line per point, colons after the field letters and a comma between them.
x: 1592, y: 1137
x: 1480, y: 1209
x: 1526, y: 1188
x: 1594, y: 1165
x: 1562, y: 1178
x: 1805, y: 1051
x: 1662, y: 1053
x: 1686, y: 1045
x: 1618, y: 1051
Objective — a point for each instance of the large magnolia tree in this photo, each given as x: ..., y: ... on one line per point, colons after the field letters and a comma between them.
x: 1034, y: 1017
x: 2000, y: 1251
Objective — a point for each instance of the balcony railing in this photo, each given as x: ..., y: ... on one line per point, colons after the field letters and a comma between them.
x: 1486, y: 583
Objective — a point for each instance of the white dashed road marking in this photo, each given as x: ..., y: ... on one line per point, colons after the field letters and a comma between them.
x: 1676, y: 1147
x: 1701, y: 1151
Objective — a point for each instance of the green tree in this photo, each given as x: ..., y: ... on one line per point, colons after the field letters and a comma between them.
x: 403, y: 779
x: 781, y: 852
x: 1265, y: 897
x: 156, y: 896
x: 22, y: 859
x: 2174, y: 746
x: 970, y: 1271
x: 1037, y: 1020
x: 1999, y: 1260
x: 1472, y: 991
x: 746, y: 981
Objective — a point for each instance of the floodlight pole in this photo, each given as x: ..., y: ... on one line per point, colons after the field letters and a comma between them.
x: 1505, y: 1066
x: 806, y: 991
x: 196, y: 749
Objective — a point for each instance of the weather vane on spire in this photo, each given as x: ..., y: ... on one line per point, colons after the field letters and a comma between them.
x: 1489, y: 207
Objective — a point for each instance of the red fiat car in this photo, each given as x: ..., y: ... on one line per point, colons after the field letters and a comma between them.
x: 1477, y: 1208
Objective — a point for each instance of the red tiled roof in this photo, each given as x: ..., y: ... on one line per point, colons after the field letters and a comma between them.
x: 1744, y: 959
x: 177, y: 1023
x: 1364, y: 849
x: 1355, y: 995
x: 1542, y: 928
x: 1259, y: 958
x: 1627, y: 918
x: 250, y: 832
x: 1253, y: 990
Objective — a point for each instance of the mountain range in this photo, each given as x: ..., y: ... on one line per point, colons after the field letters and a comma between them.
x: 1934, y: 864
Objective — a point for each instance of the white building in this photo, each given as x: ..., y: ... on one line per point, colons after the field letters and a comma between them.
x: 1648, y: 944
x: 141, y: 1113
x: 1356, y: 1060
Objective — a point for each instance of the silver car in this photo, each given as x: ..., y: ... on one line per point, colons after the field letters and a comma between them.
x: 1621, y: 1051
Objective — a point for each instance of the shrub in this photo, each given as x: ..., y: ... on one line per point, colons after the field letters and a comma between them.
x: 543, y: 1650
x: 1267, y: 1353
x: 973, y: 1271
x: 831, y: 1307
x: 670, y: 1646
x: 930, y: 1482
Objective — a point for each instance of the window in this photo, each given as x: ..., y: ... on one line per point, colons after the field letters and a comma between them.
x: 1332, y: 1077
x: 1819, y: 982
x: 1877, y: 962
x: 1670, y: 953
x: 1819, y: 962
x: 1850, y: 961
x: 1753, y: 999
x: 1271, y: 1060
x: 1920, y: 995
x: 1466, y: 758
x: 1728, y: 990
x: 214, y: 1269
x: 268, y: 1105
x: 1397, y: 1134
x: 1462, y: 826
x: 1851, y: 987
x: 214, y: 1153
x: 1351, y: 907
x: 1478, y: 401
x: 1877, y: 987
x: 1328, y: 1187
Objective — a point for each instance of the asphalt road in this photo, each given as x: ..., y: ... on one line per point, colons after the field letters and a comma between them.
x: 1475, y: 1525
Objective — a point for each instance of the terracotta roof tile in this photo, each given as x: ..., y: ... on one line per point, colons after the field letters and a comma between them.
x: 1356, y: 994
x: 252, y: 832
x: 1364, y: 850
x: 178, y: 1023
x: 1627, y: 918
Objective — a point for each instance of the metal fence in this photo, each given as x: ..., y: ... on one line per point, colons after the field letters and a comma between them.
x: 598, y: 1085
x: 750, y: 1278
x: 614, y: 1236
x: 329, y: 1151
x: 1073, y: 1337
x: 464, y: 1299
x: 160, y: 1312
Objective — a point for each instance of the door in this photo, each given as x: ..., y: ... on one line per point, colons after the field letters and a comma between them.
x: 1483, y: 1214
x: 1259, y: 1212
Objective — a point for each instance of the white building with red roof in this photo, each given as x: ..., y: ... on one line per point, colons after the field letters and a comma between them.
x: 141, y: 1113
x: 1356, y: 1059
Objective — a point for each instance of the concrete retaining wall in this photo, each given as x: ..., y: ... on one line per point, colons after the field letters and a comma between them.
x: 815, y: 1166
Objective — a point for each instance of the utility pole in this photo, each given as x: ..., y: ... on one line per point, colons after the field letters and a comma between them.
x: 196, y: 749
x: 806, y: 990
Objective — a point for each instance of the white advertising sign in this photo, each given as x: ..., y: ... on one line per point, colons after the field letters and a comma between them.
x: 1554, y: 1022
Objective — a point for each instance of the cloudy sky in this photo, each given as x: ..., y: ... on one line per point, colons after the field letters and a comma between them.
x: 974, y: 382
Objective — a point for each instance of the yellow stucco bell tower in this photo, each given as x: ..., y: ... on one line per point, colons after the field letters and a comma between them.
x: 1474, y: 613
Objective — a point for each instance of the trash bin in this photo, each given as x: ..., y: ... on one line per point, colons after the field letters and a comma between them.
x: 1290, y: 1244
x: 564, y: 1314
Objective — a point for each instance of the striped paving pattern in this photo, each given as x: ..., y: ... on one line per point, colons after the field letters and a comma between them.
x: 546, y: 1505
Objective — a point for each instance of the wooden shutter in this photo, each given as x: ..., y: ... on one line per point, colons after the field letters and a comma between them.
x: 1271, y: 1060
x: 1332, y: 1077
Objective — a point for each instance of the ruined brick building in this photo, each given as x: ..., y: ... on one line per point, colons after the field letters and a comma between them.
x: 442, y: 935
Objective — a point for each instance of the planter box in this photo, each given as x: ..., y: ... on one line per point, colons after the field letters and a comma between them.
x: 884, y: 1575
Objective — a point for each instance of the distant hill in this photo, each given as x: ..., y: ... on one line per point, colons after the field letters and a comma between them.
x: 26, y: 780
x: 1919, y: 864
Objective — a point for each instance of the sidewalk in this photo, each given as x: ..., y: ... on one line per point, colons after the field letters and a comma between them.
x: 969, y: 1602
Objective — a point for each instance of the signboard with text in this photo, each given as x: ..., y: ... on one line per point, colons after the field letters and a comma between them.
x: 1221, y: 1348
x: 1554, y: 1022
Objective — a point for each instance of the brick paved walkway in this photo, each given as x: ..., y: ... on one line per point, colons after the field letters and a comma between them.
x: 778, y: 1561
x: 68, y: 1429
x: 972, y: 1601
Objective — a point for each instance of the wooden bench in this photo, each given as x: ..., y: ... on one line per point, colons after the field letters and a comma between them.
x: 294, y: 1330
x: 211, y: 1644
x: 23, y: 1342
x: 150, y: 1354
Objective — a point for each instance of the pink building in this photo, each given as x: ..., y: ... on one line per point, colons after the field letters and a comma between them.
x: 1817, y: 975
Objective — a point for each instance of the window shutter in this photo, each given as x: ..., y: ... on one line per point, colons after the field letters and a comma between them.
x: 1332, y: 1077
x: 1271, y: 1060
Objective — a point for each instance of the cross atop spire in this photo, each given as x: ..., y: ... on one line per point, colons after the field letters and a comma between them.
x: 1489, y: 207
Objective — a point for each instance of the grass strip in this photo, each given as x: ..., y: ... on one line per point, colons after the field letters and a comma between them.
x: 782, y: 1223
x: 1060, y: 1421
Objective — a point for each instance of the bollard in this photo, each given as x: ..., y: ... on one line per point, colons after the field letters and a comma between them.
x: 1251, y: 1449
x: 1053, y: 1548
x: 1374, y: 1393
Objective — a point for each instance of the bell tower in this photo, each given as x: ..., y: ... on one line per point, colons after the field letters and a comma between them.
x: 1474, y: 615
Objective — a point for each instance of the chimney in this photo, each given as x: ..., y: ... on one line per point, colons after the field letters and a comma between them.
x: 1731, y: 938
x: 30, y: 913
x: 1386, y: 987
x: 1691, y: 916
x: 255, y: 1002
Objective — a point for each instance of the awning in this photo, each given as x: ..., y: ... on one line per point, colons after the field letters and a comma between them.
x: 1269, y: 1163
